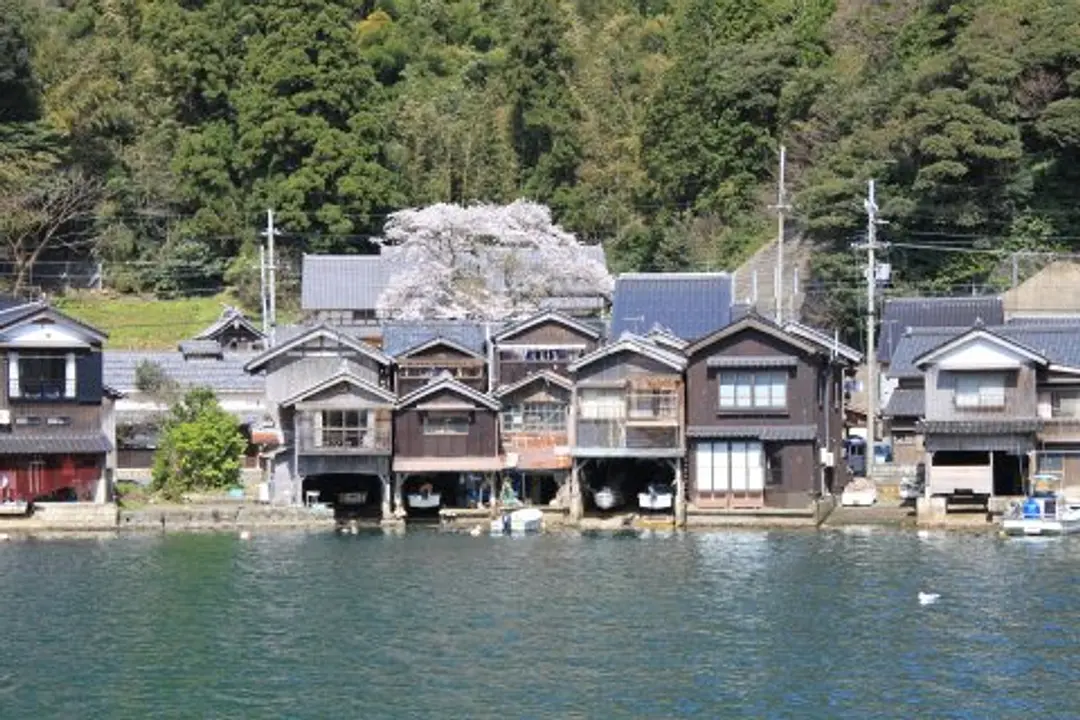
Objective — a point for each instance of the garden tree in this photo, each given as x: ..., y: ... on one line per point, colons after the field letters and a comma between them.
x: 482, y: 262
x: 199, y: 449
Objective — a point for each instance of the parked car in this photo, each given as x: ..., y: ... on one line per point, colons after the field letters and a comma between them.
x: 855, y: 451
x: 913, y: 486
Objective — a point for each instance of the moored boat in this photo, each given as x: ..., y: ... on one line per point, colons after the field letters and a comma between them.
x: 424, y: 499
x: 657, y: 497
x: 1045, y: 511
x: 519, y: 521
x: 607, y: 498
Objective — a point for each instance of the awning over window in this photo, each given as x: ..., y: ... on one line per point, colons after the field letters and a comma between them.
x: 772, y: 433
x: 751, y: 361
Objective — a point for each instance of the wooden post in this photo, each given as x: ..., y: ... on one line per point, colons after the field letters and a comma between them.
x: 387, y: 499
x: 577, y: 504
x: 680, y: 494
x: 496, y: 489
x: 399, y: 501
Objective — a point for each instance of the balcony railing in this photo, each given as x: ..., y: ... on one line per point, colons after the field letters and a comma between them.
x: 616, y: 434
x: 346, y: 440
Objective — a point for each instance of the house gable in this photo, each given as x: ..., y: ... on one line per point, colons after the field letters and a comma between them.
x: 343, y: 388
x: 444, y: 391
x: 633, y: 345
x: 769, y: 336
x: 437, y: 349
x: 980, y: 350
x: 540, y: 387
x: 548, y: 328
x: 46, y: 327
x: 319, y: 340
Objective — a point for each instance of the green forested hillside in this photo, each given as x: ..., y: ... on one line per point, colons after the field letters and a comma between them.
x: 155, y: 132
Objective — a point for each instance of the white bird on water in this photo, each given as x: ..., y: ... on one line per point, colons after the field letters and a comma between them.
x: 927, y: 598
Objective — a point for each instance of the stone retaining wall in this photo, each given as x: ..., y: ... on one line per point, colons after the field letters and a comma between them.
x: 222, y: 517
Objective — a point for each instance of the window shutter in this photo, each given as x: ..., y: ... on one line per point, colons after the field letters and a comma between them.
x: 88, y: 377
x: 13, y: 374
x: 317, y: 426
x: 69, y: 376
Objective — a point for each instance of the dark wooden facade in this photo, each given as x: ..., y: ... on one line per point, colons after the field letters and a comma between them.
x: 53, y: 442
x: 763, y: 452
x: 415, y: 368
x: 547, y: 342
x: 446, y: 427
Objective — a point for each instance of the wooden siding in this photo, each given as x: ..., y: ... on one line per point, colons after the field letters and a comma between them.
x: 82, y: 418
x: 482, y: 439
x: 1021, y: 400
x: 295, y: 371
x: 623, y: 366
x: 814, y: 397
x: 439, y: 357
x: 550, y: 333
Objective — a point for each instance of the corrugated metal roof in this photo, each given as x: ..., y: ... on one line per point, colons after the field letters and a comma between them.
x: 226, y: 375
x: 401, y: 336
x: 760, y: 432
x: 899, y: 314
x: 906, y: 402
x: 55, y: 443
x: 690, y: 305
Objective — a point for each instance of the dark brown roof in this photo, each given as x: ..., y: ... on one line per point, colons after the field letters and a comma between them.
x: 981, y: 427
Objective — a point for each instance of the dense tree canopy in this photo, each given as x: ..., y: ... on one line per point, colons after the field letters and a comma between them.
x: 649, y: 125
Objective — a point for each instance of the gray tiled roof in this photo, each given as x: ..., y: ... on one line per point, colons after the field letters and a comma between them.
x: 228, y: 316
x: 760, y: 432
x: 751, y: 361
x: 981, y: 427
x: 906, y: 402
x: 204, y: 348
x: 223, y: 376
x: 55, y: 443
x: 899, y: 314
x: 915, y: 343
x: 1059, y: 342
x: 401, y: 336
x: 690, y: 305
x: 355, y: 282
x: 343, y: 282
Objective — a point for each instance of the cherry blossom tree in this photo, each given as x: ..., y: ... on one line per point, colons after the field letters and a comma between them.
x: 483, y: 262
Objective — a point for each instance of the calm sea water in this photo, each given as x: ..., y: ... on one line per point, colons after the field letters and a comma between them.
x: 430, y: 625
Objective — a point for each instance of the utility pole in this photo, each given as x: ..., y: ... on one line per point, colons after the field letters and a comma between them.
x: 781, y: 206
x: 872, y: 222
x: 271, y: 268
x: 262, y: 291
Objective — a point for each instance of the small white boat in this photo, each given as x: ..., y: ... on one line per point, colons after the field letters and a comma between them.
x: 859, y: 493
x: 657, y: 497
x: 425, y: 499
x: 1044, y: 511
x: 519, y: 521
x: 14, y: 507
x: 607, y: 498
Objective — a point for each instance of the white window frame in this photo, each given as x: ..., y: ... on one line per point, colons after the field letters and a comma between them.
x: 752, y: 390
x: 535, y: 417
x: 975, y: 391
